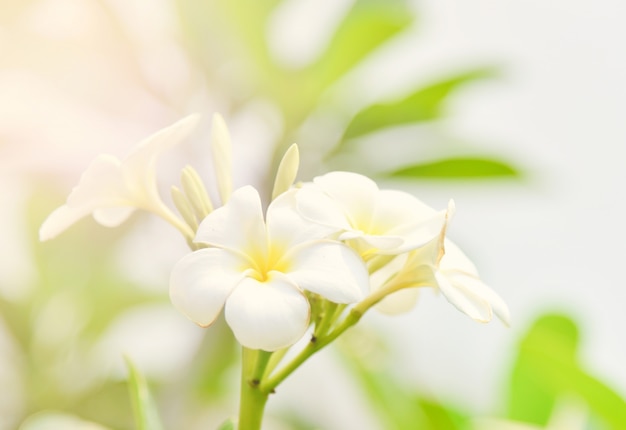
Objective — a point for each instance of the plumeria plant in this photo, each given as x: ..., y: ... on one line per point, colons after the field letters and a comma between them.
x: 293, y: 271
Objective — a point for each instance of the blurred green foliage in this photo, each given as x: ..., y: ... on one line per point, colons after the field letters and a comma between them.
x: 300, y: 93
x: 144, y: 408
x: 547, y: 368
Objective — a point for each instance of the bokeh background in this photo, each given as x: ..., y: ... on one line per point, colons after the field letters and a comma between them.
x: 514, y: 109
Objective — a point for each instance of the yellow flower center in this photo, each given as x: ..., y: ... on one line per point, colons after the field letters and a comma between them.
x: 262, y: 262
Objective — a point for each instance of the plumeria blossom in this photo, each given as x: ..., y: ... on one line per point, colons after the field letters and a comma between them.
x: 257, y: 270
x: 374, y: 221
x: 111, y: 189
x: 442, y: 265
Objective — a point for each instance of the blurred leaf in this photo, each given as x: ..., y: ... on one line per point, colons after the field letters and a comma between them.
x: 367, y: 25
x: 440, y: 417
x: 229, y: 424
x: 146, y: 415
x: 468, y: 167
x: 424, y: 104
x: 547, y: 368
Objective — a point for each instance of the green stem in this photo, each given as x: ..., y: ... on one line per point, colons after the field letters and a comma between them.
x: 327, y: 313
x: 270, y: 382
x: 316, y: 344
x: 252, y: 399
x: 274, y: 361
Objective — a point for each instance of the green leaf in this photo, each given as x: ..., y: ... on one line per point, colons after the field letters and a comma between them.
x: 368, y: 25
x: 465, y: 167
x: 146, y: 415
x: 423, y: 104
x: 547, y: 368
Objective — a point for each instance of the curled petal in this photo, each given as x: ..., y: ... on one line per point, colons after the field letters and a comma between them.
x: 475, y: 290
x: 462, y: 274
x: 331, y: 270
x: 267, y: 315
x: 237, y: 224
x: 101, y: 185
x: 455, y: 259
x: 139, y: 167
x: 472, y: 297
x: 420, y: 233
x: 464, y: 299
x: 201, y: 282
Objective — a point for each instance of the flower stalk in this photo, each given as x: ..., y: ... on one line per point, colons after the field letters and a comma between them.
x: 252, y: 398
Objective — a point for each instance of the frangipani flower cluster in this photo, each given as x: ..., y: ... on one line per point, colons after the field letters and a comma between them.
x: 321, y: 249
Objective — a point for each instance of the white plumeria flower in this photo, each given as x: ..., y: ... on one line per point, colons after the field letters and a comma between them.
x: 111, y: 189
x: 375, y: 221
x: 257, y: 270
x: 442, y: 265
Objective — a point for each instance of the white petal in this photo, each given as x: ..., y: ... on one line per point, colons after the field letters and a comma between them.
x: 59, y: 220
x: 221, y: 149
x: 112, y: 217
x: 161, y: 141
x: 238, y: 225
x: 355, y: 194
x: 139, y: 167
x: 464, y: 299
x: 426, y: 255
x: 455, y: 259
x: 101, y: 185
x: 421, y: 232
x: 201, y: 281
x: 473, y: 286
x: 315, y: 205
x: 398, y: 208
x: 330, y: 269
x: 267, y: 315
x: 285, y: 226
